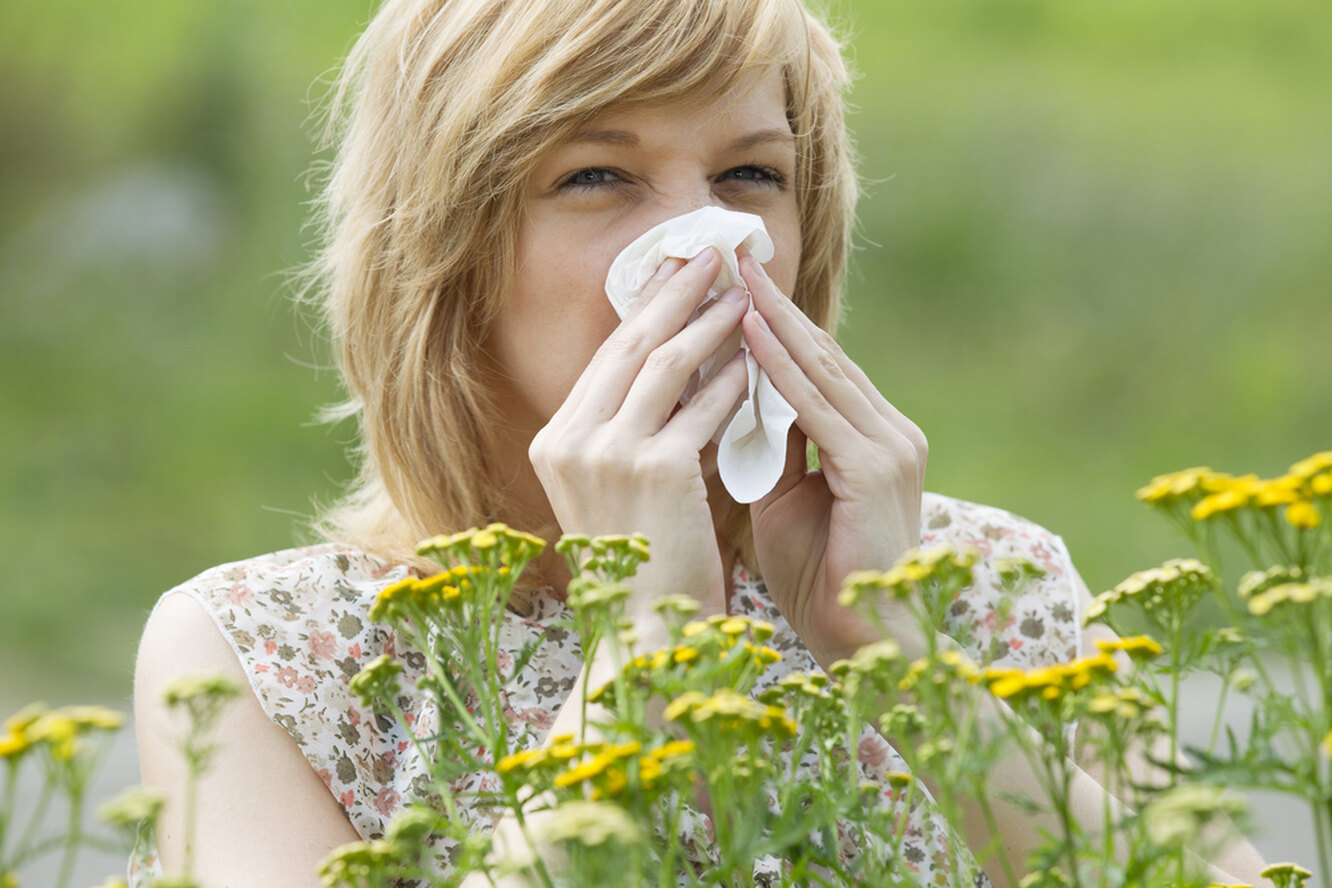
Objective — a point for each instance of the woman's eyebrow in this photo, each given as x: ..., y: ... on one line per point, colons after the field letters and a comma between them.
x: 621, y: 138
x: 777, y: 135
x: 627, y: 139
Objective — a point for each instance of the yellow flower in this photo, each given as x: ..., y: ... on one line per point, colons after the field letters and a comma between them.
x: 512, y: 546
x: 898, y: 779
x: 1279, y: 491
x: 1125, y: 704
x: 734, y: 626
x: 1222, y: 503
x: 1303, y: 514
x: 673, y: 749
x: 730, y: 711
x: 583, y: 771
x: 60, y: 729
x: 1327, y: 744
x: 1286, y: 875
x: 1137, y: 646
x: 527, y: 759
x: 189, y: 688
x: 1179, y: 582
x: 602, y: 764
x: 13, y: 744
x: 591, y: 824
x: 1299, y: 593
x: 676, y: 603
x: 1050, y: 682
x: 132, y: 806
x: 1321, y: 485
x: 1174, y: 485
x: 1312, y: 465
x: 685, y: 654
x: 9, y: 880
x: 911, y: 570
x: 377, y: 680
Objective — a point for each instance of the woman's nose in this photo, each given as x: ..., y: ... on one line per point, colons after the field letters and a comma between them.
x: 682, y: 202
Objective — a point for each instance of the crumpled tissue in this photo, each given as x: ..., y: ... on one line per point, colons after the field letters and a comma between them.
x: 752, y: 449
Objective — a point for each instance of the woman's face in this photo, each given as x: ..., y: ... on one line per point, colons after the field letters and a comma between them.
x: 620, y: 175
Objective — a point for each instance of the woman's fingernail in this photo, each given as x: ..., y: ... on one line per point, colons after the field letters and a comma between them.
x: 668, y: 268
x: 735, y: 294
x: 705, y: 258
x: 758, y: 268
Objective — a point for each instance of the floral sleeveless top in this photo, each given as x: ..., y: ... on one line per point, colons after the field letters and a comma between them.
x: 297, y: 622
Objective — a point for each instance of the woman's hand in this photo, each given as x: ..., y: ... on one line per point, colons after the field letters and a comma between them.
x: 861, y: 510
x: 619, y: 457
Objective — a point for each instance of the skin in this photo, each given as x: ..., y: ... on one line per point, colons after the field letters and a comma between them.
x: 597, y: 442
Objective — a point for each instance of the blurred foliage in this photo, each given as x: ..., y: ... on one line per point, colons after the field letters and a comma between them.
x: 1095, y: 247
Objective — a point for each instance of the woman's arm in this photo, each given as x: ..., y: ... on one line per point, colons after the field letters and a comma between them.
x: 262, y: 816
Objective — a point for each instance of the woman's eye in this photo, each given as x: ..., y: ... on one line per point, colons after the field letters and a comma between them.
x: 760, y: 174
x: 591, y: 177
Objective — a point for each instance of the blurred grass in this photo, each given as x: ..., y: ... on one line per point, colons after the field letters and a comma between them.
x: 1095, y: 247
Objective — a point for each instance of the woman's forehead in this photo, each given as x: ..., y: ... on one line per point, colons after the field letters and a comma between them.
x: 755, y: 104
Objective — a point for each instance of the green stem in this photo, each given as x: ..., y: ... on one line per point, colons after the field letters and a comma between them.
x: 38, y: 815
x: 992, y: 826
x: 544, y: 873
x: 1323, y: 839
x: 1217, y: 720
x: 73, y: 837
x: 7, y: 806
x: 192, y: 771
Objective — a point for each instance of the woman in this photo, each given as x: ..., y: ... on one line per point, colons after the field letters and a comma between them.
x: 495, y: 156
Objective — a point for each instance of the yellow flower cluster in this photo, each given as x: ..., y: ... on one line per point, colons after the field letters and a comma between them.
x: 1124, y: 704
x: 377, y: 680
x: 705, y: 642
x: 732, y: 713
x: 1138, y: 647
x: 946, y: 668
x: 1327, y: 744
x: 429, y: 595
x: 132, y: 807
x: 1181, y: 582
x: 1256, y: 581
x: 511, y: 546
x: 1050, y: 682
x: 561, y: 749
x: 912, y: 570
x: 1286, y: 875
x: 1297, y: 593
x: 590, y: 824
x: 603, y: 771
x: 1209, y: 494
x: 59, y: 730
x: 602, y: 768
x: 608, y: 557
x: 812, y: 685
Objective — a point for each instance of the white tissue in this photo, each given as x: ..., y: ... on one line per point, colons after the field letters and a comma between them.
x: 752, y: 450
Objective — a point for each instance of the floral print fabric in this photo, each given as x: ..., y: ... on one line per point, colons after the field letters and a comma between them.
x: 297, y: 622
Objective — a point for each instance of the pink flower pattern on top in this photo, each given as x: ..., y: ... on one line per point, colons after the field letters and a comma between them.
x: 297, y: 622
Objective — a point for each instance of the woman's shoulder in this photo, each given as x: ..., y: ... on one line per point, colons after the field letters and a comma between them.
x: 296, y: 618
x: 991, y: 532
x: 1016, y: 618
x: 292, y: 579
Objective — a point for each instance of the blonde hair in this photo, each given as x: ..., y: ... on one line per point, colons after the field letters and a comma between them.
x: 441, y: 111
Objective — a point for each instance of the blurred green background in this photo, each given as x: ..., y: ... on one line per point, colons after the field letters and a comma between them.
x: 1096, y: 245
